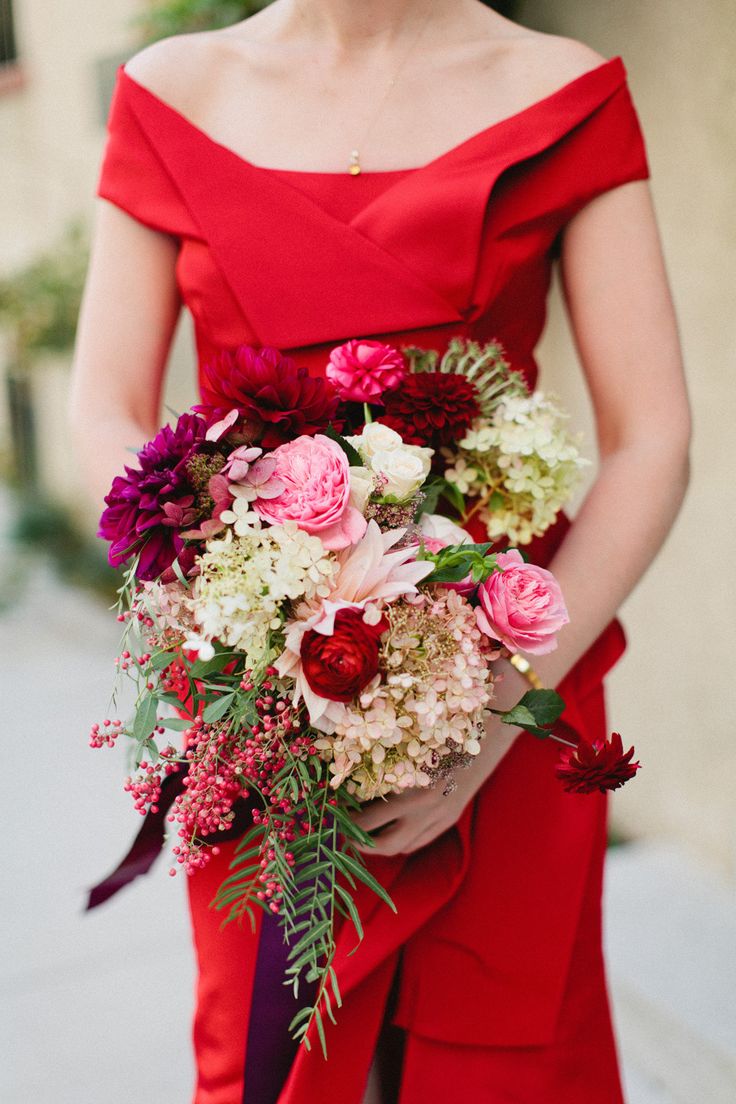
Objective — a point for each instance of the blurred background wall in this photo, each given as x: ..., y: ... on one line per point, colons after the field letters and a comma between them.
x: 674, y: 692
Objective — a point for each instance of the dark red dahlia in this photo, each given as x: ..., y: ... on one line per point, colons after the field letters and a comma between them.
x: 431, y: 408
x: 149, y: 506
x: 597, y: 765
x: 276, y: 400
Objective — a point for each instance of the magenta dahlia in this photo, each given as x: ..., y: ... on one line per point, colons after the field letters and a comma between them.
x: 149, y: 506
x: 431, y: 408
x: 276, y: 401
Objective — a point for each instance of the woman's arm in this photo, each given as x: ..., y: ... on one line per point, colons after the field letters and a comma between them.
x: 126, y: 323
x: 623, y: 321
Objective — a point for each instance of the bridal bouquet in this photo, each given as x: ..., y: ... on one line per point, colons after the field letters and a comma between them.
x: 302, y: 602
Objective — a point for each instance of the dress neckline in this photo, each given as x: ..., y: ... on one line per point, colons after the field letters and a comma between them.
x: 613, y: 65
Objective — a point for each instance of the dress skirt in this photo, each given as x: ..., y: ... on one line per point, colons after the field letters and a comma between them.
x: 497, y: 1022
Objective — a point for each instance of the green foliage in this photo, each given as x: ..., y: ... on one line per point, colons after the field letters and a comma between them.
x: 39, y: 305
x: 170, y: 17
x: 49, y: 528
x: 535, y: 712
x: 457, y: 561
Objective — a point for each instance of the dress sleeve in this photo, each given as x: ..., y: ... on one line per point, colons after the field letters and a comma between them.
x: 606, y: 150
x: 132, y: 174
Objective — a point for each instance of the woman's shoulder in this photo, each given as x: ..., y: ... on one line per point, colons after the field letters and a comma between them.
x: 538, y: 61
x: 174, y: 68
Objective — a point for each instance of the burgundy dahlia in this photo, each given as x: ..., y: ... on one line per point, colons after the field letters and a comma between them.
x: 431, y: 408
x: 276, y: 401
x: 149, y: 506
x: 597, y: 765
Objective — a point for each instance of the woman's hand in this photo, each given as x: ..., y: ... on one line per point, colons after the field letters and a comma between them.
x: 405, y: 822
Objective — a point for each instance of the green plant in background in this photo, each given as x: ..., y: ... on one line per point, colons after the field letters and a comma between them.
x: 39, y: 304
x: 39, y: 308
x: 170, y: 17
x: 48, y: 527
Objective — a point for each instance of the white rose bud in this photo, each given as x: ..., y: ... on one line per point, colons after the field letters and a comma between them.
x: 361, y: 485
x: 374, y: 438
x: 404, y: 469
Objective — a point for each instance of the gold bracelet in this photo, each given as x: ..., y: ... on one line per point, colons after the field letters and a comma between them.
x: 524, y: 667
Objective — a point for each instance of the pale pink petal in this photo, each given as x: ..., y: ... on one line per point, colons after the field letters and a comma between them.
x: 218, y: 429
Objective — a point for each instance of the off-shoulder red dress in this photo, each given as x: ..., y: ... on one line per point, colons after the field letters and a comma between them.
x: 500, y: 986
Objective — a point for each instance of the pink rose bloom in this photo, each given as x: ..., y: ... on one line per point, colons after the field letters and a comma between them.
x: 361, y: 371
x: 315, y: 475
x: 521, y: 605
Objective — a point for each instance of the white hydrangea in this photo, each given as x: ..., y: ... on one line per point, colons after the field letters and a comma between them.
x: 523, y: 461
x: 246, y: 581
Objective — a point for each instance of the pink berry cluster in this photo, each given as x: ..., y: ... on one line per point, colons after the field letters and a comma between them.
x: 224, y: 766
x: 211, y: 788
x: 106, y: 734
x: 126, y: 660
x: 174, y: 680
x: 145, y: 788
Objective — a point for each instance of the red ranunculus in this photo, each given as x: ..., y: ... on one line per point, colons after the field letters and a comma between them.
x: 276, y: 401
x: 339, y: 666
x: 431, y: 408
x: 596, y: 765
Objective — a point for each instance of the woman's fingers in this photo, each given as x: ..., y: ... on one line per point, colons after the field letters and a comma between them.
x: 404, y: 837
x: 383, y: 810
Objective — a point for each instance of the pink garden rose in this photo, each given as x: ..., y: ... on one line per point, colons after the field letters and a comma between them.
x: 521, y: 605
x: 362, y: 370
x: 316, y: 478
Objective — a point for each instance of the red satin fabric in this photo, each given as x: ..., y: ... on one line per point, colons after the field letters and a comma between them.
x: 502, y: 990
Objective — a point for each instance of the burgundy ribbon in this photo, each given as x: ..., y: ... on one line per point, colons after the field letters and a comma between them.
x: 151, y: 838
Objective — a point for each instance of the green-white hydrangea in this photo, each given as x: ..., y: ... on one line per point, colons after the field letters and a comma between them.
x: 246, y: 581
x: 522, y: 462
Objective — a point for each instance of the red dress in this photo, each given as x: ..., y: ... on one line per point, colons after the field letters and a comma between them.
x: 501, y: 988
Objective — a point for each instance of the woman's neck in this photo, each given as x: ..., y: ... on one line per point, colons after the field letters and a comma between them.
x: 347, y: 25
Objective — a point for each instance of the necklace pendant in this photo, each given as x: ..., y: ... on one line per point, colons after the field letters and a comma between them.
x: 354, y: 166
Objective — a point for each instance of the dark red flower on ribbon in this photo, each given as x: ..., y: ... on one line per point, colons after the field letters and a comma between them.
x: 339, y: 666
x: 149, y: 506
x: 431, y: 408
x: 597, y: 765
x: 276, y: 401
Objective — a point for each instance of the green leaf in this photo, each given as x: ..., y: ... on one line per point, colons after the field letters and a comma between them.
x: 545, y: 705
x: 321, y: 1031
x: 145, y: 718
x: 335, y: 986
x: 218, y: 708
x: 452, y: 495
x: 519, y: 715
x: 203, y: 667
x: 536, y: 709
x: 354, y: 458
x: 170, y: 698
x: 349, y: 865
x: 352, y: 911
x: 431, y: 491
x: 176, y: 724
x: 161, y: 659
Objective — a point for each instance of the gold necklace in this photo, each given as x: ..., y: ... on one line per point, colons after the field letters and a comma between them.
x: 354, y: 166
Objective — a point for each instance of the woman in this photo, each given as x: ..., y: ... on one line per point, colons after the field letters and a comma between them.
x: 410, y: 169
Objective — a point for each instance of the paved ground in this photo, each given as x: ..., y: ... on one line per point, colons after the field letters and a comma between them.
x: 97, y: 1007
